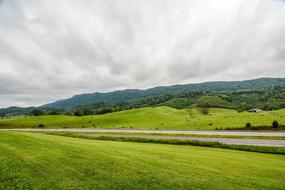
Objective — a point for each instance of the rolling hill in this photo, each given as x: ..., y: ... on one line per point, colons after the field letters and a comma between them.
x: 161, y: 117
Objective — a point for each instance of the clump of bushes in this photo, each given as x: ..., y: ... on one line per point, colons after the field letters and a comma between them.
x: 54, y: 112
x: 41, y: 125
x: 248, y: 125
x: 275, y: 124
x: 78, y: 113
x: 88, y: 112
x: 38, y: 112
x: 204, y: 111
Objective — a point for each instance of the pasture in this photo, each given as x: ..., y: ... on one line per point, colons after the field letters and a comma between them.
x: 161, y: 117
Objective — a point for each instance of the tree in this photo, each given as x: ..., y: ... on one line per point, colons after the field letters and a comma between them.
x: 54, y: 112
x: 275, y: 124
x: 38, y: 112
x: 78, y: 113
x: 88, y: 112
x: 104, y: 110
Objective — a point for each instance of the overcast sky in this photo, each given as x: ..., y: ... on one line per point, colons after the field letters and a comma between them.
x: 54, y: 49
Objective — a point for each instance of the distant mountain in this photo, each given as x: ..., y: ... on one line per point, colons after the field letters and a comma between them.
x: 11, y: 111
x: 132, y: 94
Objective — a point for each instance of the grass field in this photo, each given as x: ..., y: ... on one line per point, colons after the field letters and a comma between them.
x: 153, y: 118
x: 166, y: 140
x: 41, y: 161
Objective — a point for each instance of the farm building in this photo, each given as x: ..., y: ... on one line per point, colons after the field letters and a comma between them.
x: 256, y: 110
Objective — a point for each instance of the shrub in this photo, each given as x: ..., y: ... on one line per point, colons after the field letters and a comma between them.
x: 205, y: 111
x: 239, y: 110
x: 41, y: 125
x: 248, y: 125
x: 275, y: 124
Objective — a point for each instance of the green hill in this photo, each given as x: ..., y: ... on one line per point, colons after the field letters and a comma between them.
x: 40, y: 161
x: 161, y: 117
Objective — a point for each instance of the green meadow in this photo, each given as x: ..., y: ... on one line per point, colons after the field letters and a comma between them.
x: 161, y: 117
x: 42, y: 161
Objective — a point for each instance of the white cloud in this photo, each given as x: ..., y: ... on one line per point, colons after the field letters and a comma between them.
x: 54, y: 49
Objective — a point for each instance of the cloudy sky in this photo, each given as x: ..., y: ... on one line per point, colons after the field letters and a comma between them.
x: 54, y: 49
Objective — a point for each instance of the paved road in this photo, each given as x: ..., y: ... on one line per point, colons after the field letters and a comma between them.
x: 257, y: 142
x: 237, y: 133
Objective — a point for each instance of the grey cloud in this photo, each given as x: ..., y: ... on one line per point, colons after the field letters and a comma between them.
x: 54, y: 49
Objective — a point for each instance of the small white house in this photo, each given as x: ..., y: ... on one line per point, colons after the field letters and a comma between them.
x: 256, y: 110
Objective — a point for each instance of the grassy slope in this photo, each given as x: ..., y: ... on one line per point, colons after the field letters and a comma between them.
x: 154, y: 118
x: 31, y: 160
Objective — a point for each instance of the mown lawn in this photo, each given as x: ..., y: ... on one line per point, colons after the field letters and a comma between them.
x: 41, y: 161
x: 153, y: 118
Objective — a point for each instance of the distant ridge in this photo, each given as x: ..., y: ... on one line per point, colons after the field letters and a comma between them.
x: 131, y: 94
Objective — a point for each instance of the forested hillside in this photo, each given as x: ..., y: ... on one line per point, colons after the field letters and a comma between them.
x: 132, y: 94
x: 269, y: 98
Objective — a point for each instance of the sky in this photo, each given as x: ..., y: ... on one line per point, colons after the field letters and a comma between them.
x: 51, y: 50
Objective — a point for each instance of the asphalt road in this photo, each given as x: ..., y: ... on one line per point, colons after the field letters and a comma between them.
x: 244, y: 141
x: 237, y: 133
x: 256, y: 142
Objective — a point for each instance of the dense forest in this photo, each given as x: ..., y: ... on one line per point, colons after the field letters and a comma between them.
x: 269, y: 98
